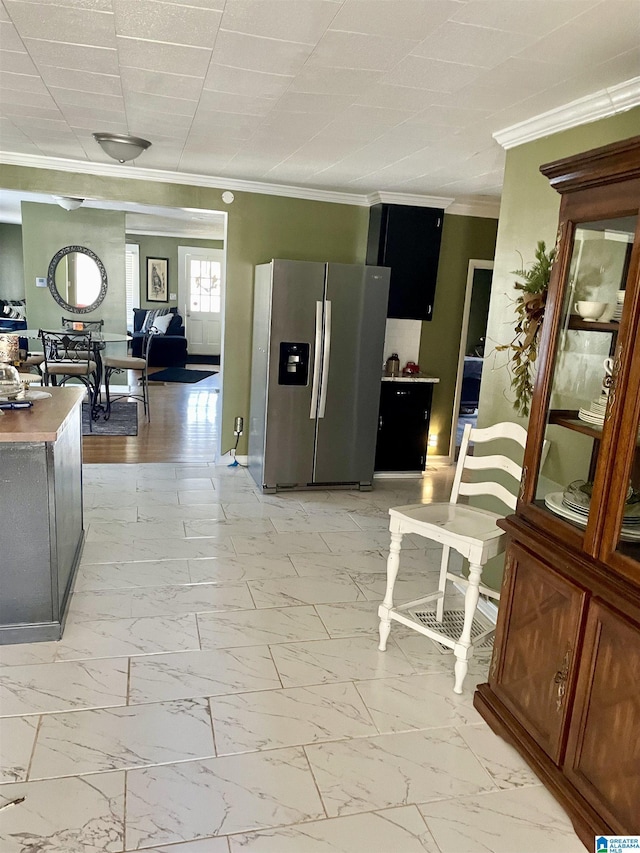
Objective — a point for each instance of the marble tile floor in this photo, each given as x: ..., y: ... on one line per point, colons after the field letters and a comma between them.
x: 219, y: 689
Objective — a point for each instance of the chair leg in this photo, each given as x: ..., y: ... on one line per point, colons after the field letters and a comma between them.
x: 393, y: 563
x: 107, y: 377
x: 145, y: 394
x: 463, y: 648
x: 442, y: 582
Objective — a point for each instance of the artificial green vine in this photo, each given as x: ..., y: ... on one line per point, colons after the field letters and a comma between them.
x: 529, y: 307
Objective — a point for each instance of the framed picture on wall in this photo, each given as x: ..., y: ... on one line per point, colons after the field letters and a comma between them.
x: 157, y: 279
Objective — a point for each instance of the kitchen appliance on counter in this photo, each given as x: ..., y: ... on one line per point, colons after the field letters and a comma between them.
x: 411, y: 369
x: 318, y: 336
x: 392, y: 365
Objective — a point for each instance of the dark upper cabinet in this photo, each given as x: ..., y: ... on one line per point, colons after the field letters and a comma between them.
x: 407, y: 239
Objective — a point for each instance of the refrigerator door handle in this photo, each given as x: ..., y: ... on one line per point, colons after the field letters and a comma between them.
x: 325, y: 359
x: 315, y: 384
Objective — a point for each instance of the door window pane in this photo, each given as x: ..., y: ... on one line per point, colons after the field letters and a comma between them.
x: 204, y: 286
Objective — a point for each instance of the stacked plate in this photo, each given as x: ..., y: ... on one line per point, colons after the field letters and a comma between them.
x: 596, y: 411
x: 555, y: 501
x: 617, y: 314
x: 579, y: 501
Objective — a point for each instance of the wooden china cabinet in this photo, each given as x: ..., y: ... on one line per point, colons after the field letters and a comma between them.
x: 564, y: 681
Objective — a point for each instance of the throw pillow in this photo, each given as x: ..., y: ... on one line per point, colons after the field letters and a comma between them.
x: 175, y: 326
x: 13, y: 309
x: 150, y: 319
x: 160, y: 324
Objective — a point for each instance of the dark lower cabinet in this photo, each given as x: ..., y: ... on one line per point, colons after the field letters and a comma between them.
x: 403, y: 426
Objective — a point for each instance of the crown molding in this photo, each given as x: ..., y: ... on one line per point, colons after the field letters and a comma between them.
x: 182, y: 235
x: 479, y: 207
x: 409, y: 199
x: 484, y: 208
x: 607, y: 102
x: 136, y: 173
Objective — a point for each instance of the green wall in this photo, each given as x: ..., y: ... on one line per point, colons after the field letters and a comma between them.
x: 11, y: 267
x: 46, y: 228
x: 463, y: 238
x: 156, y: 246
x: 260, y: 227
x: 528, y: 213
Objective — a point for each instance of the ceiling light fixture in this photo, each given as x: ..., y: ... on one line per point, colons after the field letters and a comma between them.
x: 68, y: 202
x: 121, y: 147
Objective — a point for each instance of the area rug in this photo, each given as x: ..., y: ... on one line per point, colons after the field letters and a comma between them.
x: 203, y: 359
x: 180, y: 374
x: 123, y: 420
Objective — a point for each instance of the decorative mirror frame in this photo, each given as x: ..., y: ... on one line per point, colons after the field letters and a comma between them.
x: 51, y: 279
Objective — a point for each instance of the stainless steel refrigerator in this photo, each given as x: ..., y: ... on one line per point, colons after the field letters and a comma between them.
x: 318, y: 335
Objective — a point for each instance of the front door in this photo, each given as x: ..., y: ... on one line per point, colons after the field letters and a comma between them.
x: 200, y: 290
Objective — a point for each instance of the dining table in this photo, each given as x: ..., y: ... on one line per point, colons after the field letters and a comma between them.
x: 98, y: 342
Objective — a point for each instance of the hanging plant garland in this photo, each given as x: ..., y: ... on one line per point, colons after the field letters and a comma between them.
x: 529, y: 307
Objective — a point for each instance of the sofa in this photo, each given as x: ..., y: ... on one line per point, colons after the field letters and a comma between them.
x: 168, y: 349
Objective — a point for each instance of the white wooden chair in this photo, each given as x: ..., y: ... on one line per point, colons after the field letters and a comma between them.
x: 470, y: 531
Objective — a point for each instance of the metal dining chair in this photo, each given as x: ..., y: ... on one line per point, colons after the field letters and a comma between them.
x: 469, y: 530
x: 93, y: 326
x: 69, y: 355
x: 118, y: 364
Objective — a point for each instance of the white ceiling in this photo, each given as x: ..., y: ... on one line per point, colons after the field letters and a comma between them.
x: 350, y: 95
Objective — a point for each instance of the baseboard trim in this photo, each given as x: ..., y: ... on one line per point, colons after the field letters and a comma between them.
x: 398, y: 475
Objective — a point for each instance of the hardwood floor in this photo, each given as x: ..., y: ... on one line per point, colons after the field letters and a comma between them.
x: 184, y: 426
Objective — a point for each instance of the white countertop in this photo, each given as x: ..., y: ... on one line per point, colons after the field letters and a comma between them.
x: 420, y: 378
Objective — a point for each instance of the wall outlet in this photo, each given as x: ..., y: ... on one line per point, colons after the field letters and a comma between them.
x: 173, y: 296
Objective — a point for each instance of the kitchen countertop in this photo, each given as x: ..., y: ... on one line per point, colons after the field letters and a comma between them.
x: 419, y: 378
x: 45, y: 420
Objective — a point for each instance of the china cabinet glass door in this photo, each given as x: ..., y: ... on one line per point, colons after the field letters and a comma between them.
x: 592, y: 320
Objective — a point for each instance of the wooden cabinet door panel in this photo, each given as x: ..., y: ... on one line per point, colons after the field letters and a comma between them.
x: 534, y: 670
x: 603, y: 753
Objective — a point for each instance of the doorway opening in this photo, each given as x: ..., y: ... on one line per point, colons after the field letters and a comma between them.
x: 472, y: 349
x: 201, y: 280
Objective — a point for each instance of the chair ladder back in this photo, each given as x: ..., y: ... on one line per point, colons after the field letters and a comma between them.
x: 496, y: 462
x: 489, y: 487
x: 457, y: 477
x: 506, y: 429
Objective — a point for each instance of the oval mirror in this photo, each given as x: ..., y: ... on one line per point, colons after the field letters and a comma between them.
x: 77, y: 279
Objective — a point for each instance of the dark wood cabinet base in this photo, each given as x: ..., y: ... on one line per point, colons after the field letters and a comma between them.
x: 586, y: 822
